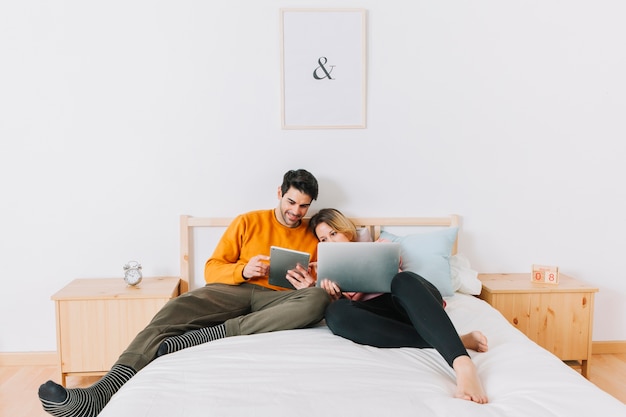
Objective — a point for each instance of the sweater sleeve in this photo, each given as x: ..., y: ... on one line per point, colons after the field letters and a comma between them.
x: 226, y: 265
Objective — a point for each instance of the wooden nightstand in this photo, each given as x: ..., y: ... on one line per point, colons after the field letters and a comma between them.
x: 557, y: 317
x: 98, y: 318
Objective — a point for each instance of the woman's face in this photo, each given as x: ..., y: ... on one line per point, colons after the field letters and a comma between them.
x: 325, y: 233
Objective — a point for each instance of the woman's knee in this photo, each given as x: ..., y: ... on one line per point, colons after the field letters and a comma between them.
x: 406, y: 282
x: 404, y: 279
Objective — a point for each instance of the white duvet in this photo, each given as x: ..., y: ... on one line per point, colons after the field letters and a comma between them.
x: 311, y: 372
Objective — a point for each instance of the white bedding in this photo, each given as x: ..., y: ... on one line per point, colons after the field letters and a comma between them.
x: 311, y: 372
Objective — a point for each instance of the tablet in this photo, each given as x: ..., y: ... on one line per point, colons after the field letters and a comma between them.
x: 282, y: 260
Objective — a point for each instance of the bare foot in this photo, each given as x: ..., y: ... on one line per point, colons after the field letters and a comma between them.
x: 475, y: 340
x: 468, y: 386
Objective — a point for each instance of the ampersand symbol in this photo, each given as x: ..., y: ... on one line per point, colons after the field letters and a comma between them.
x: 323, y: 68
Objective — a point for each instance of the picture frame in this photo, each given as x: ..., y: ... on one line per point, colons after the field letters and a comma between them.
x: 323, y: 68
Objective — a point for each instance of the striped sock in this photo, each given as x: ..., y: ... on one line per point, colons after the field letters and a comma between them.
x: 83, y: 402
x: 192, y: 338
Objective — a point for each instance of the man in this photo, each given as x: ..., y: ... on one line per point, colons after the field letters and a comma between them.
x: 237, y: 300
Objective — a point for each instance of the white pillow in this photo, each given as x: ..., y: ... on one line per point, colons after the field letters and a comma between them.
x: 363, y: 235
x: 464, y: 278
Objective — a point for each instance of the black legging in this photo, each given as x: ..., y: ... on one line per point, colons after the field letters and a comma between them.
x: 412, y: 315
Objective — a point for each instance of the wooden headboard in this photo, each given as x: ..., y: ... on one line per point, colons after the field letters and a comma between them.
x: 374, y: 224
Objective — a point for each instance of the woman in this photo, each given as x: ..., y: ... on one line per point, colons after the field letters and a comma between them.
x: 412, y: 315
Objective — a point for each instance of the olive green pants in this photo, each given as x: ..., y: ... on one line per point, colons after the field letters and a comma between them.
x: 244, y: 309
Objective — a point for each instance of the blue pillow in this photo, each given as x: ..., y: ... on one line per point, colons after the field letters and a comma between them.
x: 428, y: 255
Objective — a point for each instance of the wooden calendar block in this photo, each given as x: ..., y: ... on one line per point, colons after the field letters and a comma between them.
x: 545, y: 274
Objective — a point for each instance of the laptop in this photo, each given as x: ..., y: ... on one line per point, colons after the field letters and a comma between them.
x: 358, y: 266
x: 281, y: 261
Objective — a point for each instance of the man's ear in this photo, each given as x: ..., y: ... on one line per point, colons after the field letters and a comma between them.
x: 280, y: 193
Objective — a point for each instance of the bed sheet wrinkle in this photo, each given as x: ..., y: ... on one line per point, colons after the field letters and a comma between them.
x: 311, y: 373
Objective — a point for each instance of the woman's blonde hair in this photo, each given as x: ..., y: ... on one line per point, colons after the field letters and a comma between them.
x: 336, y: 220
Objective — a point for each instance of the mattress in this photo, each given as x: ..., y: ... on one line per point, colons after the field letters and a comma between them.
x: 311, y: 372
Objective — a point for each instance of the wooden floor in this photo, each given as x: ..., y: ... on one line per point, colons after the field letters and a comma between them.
x: 18, y: 385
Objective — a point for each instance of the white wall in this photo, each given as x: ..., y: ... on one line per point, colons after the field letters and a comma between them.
x: 116, y: 117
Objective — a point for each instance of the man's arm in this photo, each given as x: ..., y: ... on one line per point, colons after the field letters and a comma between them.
x: 226, y: 265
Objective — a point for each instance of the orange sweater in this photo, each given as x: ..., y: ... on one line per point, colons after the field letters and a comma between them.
x: 249, y: 235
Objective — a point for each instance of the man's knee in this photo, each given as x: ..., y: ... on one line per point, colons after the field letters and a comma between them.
x: 317, y: 299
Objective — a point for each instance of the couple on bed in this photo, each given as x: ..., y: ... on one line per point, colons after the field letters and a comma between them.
x: 238, y: 300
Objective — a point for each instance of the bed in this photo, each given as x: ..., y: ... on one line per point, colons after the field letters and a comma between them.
x: 311, y: 372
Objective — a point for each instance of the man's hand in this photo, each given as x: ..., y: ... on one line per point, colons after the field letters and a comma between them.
x: 256, y: 267
x: 300, y: 277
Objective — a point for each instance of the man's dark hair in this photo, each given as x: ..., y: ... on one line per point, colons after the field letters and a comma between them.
x: 302, y: 180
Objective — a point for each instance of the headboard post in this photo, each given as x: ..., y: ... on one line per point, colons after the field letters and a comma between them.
x: 187, y: 224
x: 184, y: 253
x: 454, y: 222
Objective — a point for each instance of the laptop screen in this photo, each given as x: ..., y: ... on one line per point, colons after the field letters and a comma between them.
x: 358, y: 266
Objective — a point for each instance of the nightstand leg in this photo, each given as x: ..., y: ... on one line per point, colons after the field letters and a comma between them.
x: 584, y: 369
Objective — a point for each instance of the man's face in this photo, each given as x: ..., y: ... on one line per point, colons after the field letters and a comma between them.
x: 292, y: 207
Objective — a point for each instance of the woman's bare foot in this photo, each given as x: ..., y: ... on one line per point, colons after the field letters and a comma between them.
x: 468, y: 386
x: 475, y: 340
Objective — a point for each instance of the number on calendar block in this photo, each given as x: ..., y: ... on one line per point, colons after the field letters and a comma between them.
x: 545, y: 274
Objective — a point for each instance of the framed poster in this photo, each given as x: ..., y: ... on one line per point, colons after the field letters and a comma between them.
x: 323, y: 54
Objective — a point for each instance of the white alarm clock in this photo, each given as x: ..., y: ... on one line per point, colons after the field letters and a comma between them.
x: 132, y: 273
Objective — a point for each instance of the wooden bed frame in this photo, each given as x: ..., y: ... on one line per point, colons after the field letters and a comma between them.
x: 374, y: 224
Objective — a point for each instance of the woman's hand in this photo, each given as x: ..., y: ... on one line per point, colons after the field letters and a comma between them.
x: 331, y: 288
x: 300, y: 277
